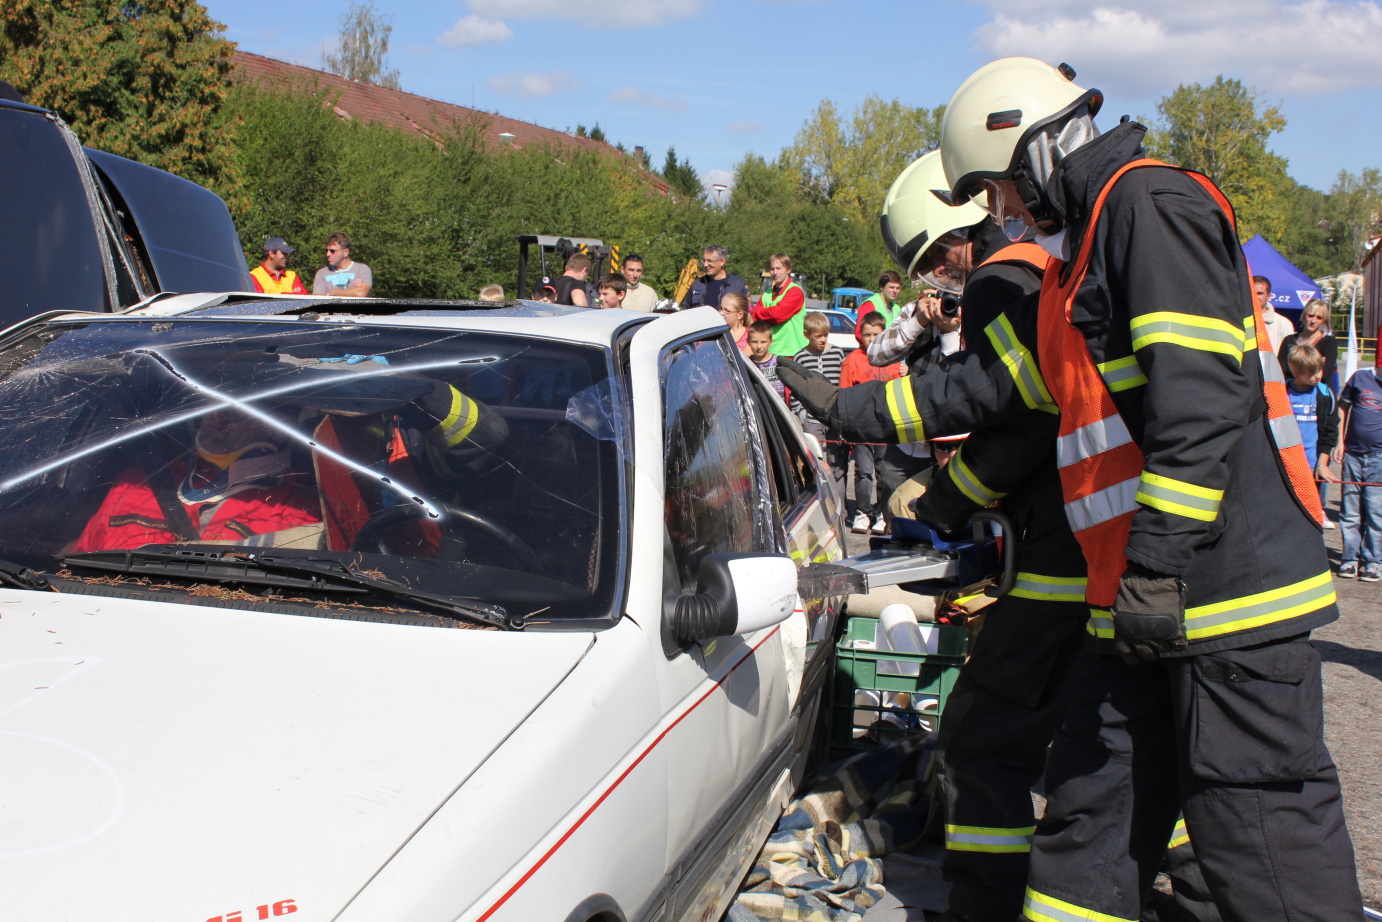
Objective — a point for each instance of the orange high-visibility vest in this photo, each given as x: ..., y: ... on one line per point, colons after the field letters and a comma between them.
x: 1028, y: 253
x: 1101, y: 467
x: 283, y: 285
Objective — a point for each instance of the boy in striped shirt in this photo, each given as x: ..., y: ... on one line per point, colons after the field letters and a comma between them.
x: 822, y: 357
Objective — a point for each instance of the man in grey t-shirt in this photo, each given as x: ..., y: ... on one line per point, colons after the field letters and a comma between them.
x: 342, y: 277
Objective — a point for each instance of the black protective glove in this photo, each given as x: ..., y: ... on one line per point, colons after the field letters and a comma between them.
x: 812, y: 388
x: 1148, y: 615
x: 939, y: 515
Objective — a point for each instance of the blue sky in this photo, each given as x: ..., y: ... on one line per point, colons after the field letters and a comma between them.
x: 718, y: 79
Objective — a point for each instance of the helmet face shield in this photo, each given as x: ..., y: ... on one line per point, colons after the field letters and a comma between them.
x: 944, y: 264
x: 1004, y: 204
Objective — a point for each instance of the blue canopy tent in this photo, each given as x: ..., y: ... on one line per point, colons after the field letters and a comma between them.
x: 1291, y: 288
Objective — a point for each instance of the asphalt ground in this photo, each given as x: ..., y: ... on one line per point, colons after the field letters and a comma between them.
x: 1351, y: 650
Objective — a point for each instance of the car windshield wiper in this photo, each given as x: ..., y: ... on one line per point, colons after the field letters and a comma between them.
x: 21, y: 577
x: 266, y: 568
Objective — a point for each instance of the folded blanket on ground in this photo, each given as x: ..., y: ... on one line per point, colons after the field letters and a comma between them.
x: 823, y: 861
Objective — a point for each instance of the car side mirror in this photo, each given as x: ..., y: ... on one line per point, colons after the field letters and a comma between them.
x: 735, y: 594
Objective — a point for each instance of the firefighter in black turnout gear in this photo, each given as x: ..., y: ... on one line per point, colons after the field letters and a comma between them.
x: 1191, y: 499
x: 1007, y: 703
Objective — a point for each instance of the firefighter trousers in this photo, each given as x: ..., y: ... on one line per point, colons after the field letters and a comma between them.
x: 991, y: 749
x: 1235, y: 740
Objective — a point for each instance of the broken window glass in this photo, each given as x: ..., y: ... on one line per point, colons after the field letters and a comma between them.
x: 447, y: 460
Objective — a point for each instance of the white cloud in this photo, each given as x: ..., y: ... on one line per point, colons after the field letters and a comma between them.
x: 722, y: 177
x: 743, y: 127
x: 472, y: 30
x: 527, y: 83
x: 632, y: 96
x: 1143, y: 48
x: 633, y: 14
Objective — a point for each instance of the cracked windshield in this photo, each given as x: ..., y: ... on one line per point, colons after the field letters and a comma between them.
x: 464, y: 465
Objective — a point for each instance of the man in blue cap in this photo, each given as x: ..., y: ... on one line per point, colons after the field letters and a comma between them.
x: 272, y: 276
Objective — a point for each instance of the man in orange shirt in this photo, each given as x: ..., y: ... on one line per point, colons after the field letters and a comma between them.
x: 272, y: 275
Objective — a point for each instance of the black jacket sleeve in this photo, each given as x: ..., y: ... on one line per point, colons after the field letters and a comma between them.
x: 991, y: 383
x: 1171, y: 260
x: 991, y: 464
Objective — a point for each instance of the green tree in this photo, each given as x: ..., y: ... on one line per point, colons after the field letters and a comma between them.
x: 818, y: 152
x: 364, y: 51
x: 1355, y: 207
x: 1222, y: 130
x: 852, y: 164
x: 681, y: 176
x: 759, y: 183
x: 142, y: 80
x: 437, y: 220
x: 1307, y: 237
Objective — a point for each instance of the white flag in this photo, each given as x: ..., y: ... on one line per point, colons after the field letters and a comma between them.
x: 1351, y: 362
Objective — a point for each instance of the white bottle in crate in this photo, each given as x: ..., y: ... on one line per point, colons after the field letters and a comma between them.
x: 898, y: 631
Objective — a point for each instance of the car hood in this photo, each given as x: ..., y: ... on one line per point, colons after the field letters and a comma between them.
x: 164, y: 761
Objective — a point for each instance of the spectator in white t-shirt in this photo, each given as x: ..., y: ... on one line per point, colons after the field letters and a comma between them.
x: 640, y: 296
x: 1278, y: 327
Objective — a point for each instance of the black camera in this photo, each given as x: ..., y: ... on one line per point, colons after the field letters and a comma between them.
x: 950, y: 305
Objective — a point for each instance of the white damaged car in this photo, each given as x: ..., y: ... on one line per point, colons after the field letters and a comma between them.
x: 371, y: 611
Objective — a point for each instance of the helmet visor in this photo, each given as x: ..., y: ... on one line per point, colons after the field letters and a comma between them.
x: 940, y: 266
x: 1001, y: 200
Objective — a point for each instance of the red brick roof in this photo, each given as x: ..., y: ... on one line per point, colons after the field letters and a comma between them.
x: 410, y: 112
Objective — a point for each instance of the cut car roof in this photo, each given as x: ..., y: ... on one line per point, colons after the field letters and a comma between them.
x: 529, y: 318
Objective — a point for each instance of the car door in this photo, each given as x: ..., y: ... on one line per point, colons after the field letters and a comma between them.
x: 727, y: 702
x: 810, y: 514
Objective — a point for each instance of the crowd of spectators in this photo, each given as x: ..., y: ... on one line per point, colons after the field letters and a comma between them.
x: 1338, y: 425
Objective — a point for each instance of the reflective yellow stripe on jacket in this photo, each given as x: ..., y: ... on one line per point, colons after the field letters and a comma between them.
x: 1122, y: 374
x: 1241, y: 614
x: 1049, y: 588
x: 1179, y: 497
x: 1100, y: 623
x: 1021, y: 365
x: 1261, y: 608
x: 1179, y: 836
x: 902, y: 410
x: 970, y: 485
x: 1207, y: 334
x: 992, y: 839
x: 460, y: 420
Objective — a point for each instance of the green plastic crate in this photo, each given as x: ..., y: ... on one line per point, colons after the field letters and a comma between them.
x: 858, y: 724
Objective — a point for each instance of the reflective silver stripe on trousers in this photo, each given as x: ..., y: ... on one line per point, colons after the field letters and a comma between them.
x: 1045, y: 908
x: 1088, y: 441
x: 970, y: 839
x: 1109, y: 503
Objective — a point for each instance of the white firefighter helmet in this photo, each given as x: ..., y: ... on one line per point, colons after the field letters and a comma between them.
x: 996, y: 111
x: 914, y: 219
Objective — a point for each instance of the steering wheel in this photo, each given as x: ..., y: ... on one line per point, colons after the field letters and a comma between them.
x: 370, y: 537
